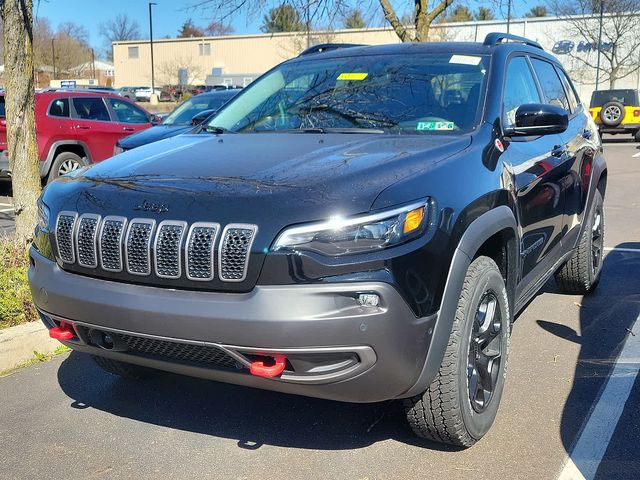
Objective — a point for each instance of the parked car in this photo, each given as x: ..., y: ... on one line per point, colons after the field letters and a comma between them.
x: 616, y: 111
x: 76, y: 128
x: 342, y: 229
x: 183, y: 119
x: 128, y: 92
x: 143, y: 94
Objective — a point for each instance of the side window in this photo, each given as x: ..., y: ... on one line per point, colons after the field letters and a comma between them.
x: 91, y: 108
x: 574, y: 101
x: 59, y: 108
x: 550, y: 83
x: 519, y: 89
x: 127, y: 113
x: 133, y: 52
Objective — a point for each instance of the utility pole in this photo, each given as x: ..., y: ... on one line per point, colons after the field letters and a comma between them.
x: 53, y: 55
x: 509, y: 15
x: 308, y: 23
x: 93, y: 64
x: 153, y: 85
x: 599, y: 44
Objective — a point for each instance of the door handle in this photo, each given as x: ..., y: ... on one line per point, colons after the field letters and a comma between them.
x: 558, y: 151
x: 127, y: 129
x: 83, y: 127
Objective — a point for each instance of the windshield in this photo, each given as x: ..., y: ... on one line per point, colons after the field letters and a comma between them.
x: 388, y: 93
x: 626, y: 97
x: 185, y: 112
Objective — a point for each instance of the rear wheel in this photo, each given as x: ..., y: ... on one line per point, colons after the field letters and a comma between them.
x: 581, y: 273
x: 461, y: 403
x: 122, y: 369
x: 64, y: 163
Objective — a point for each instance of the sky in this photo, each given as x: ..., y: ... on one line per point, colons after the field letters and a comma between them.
x: 168, y: 15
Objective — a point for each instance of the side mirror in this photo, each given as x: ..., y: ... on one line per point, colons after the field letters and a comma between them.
x: 201, y: 117
x: 539, y: 119
x: 155, y: 119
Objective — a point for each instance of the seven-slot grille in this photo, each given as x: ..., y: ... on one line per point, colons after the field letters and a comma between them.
x: 115, y: 244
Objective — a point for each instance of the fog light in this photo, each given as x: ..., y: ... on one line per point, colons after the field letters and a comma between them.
x: 368, y: 299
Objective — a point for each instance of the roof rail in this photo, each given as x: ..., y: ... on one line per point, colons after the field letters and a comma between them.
x: 325, y: 47
x: 494, y: 38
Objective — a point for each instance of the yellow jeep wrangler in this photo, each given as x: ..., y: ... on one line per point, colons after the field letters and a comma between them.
x: 616, y: 111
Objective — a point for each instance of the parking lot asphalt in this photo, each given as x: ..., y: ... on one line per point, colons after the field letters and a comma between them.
x: 562, y: 407
x: 6, y: 209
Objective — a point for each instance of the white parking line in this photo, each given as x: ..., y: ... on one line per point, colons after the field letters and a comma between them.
x: 636, y: 155
x: 593, y: 440
x: 622, y: 249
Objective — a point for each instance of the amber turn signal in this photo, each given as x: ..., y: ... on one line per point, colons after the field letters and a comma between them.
x: 413, y: 220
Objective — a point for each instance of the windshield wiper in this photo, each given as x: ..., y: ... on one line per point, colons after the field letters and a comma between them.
x: 216, y: 130
x: 326, y: 130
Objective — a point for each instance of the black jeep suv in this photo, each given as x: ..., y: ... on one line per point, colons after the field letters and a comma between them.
x: 359, y: 224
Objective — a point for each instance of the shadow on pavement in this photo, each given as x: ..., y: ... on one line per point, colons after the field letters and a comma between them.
x: 606, y: 317
x: 252, y: 417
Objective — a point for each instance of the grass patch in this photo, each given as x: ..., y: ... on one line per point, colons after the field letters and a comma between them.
x: 37, y: 358
x: 16, y: 306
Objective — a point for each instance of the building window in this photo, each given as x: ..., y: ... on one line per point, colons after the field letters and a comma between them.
x: 109, y: 73
x: 246, y: 81
x: 204, y: 49
x: 227, y: 81
x: 133, y: 52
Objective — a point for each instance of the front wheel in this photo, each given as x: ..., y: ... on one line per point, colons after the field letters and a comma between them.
x: 461, y: 403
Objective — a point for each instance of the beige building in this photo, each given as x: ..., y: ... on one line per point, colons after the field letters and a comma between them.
x: 238, y: 59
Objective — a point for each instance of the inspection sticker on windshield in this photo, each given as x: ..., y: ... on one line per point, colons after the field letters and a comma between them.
x: 353, y: 76
x: 422, y: 126
x: 465, y: 59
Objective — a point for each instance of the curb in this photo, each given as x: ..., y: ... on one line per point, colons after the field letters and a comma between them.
x: 18, y: 343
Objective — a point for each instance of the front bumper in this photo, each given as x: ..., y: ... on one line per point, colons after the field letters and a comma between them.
x: 336, y: 348
x: 5, y: 170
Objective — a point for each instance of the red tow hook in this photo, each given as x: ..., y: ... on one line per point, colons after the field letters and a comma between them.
x: 259, y: 369
x: 64, y: 332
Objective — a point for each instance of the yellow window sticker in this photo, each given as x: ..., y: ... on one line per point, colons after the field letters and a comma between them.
x: 353, y: 76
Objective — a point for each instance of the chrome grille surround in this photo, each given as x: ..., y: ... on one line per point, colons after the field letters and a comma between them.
x: 167, y: 248
x: 235, y: 249
x: 64, y: 234
x: 86, y: 236
x: 112, y: 232
x: 137, y: 246
x: 199, y: 251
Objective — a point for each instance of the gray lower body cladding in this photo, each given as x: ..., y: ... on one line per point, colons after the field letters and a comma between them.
x: 336, y: 348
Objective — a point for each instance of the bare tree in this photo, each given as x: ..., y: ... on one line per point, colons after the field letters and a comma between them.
x: 118, y: 29
x: 327, y: 12
x: 620, y: 40
x: 168, y: 71
x: 17, y: 17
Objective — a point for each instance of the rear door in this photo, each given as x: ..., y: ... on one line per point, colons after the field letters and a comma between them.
x: 94, y: 127
x: 534, y: 163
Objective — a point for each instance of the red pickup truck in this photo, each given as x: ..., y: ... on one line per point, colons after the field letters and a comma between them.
x: 77, y: 128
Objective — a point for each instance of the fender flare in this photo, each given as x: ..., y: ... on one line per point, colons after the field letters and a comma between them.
x: 481, y: 229
x: 45, y: 165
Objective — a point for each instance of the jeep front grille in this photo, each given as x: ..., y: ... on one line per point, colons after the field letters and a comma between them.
x: 136, y: 246
x: 110, y: 243
x: 65, y: 228
x: 236, y: 244
x: 86, y: 240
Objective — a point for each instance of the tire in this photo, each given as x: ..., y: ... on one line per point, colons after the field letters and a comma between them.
x: 452, y: 410
x: 122, y: 369
x: 612, y: 114
x: 64, y: 163
x: 636, y: 136
x: 581, y: 273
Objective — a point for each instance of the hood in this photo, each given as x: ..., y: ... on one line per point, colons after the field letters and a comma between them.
x: 152, y: 134
x: 271, y: 180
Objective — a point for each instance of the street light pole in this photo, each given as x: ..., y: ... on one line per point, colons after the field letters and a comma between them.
x: 599, y: 44
x: 151, y: 44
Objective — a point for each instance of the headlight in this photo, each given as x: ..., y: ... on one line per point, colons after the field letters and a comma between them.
x: 346, y: 236
x: 43, y: 215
